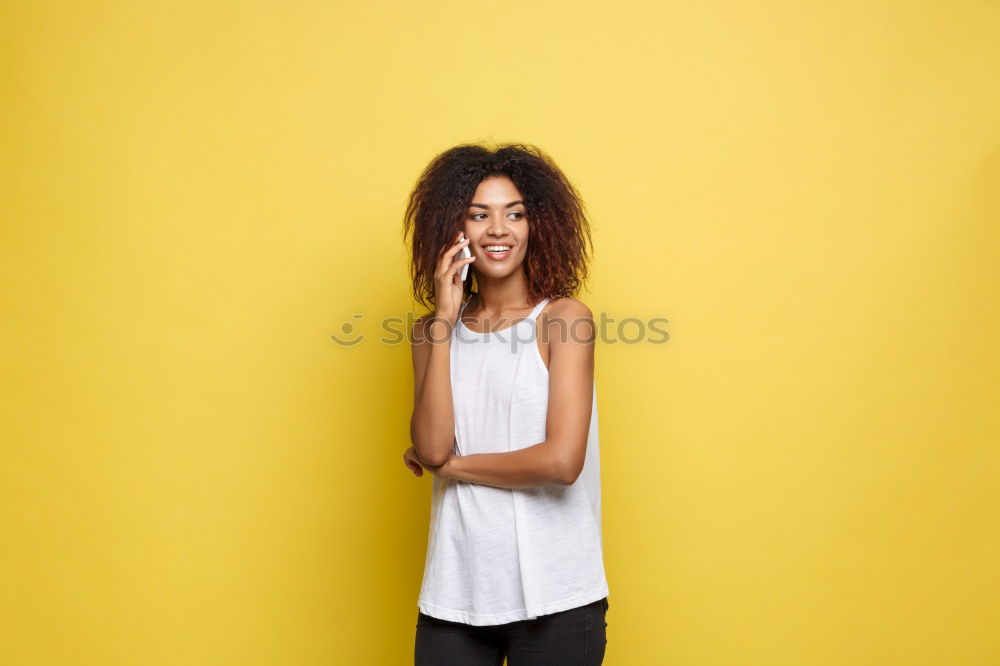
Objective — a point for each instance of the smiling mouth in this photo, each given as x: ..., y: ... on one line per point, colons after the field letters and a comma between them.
x: 497, y: 251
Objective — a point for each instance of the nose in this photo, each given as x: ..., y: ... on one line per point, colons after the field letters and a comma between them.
x: 497, y: 228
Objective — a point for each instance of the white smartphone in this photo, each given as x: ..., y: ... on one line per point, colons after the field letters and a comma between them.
x: 465, y: 253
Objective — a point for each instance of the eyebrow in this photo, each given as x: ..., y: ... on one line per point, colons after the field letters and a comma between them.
x: 512, y: 203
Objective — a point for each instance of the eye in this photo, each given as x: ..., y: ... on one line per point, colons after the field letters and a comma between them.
x: 476, y: 215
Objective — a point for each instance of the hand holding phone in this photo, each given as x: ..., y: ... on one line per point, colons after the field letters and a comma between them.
x: 449, y: 291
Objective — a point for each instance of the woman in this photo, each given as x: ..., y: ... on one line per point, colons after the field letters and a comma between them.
x: 505, y: 414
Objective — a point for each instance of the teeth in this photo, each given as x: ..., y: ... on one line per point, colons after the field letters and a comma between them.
x: 497, y: 248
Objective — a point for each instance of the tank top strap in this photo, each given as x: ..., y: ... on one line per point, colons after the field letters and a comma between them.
x: 535, y: 311
x: 538, y: 308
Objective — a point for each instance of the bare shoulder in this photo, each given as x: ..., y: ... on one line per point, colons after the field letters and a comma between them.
x: 567, y: 307
x: 569, y: 314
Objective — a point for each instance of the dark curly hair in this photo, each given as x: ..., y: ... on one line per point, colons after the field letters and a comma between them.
x: 558, y: 226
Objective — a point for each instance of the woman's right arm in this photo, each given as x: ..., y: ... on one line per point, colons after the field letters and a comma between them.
x: 432, y: 425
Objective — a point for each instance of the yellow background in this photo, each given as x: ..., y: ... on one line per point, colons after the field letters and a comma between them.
x: 196, y: 195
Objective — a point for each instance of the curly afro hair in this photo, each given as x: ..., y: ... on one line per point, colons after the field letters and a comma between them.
x: 558, y: 226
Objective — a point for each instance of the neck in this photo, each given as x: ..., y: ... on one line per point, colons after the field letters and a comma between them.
x: 498, y: 295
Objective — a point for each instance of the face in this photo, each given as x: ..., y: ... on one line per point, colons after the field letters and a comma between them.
x: 497, y: 217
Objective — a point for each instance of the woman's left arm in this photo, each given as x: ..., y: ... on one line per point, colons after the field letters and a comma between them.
x: 558, y: 460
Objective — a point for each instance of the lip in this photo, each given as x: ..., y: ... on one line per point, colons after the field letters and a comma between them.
x: 497, y: 257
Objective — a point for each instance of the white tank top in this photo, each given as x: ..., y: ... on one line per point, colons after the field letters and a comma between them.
x: 497, y: 555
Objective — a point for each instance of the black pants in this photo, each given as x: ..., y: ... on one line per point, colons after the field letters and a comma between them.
x: 574, y: 637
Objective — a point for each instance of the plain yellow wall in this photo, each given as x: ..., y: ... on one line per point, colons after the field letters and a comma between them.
x: 196, y: 195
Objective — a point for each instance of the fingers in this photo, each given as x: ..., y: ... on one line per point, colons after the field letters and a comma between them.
x: 457, y: 246
x: 456, y: 267
x: 410, y: 461
x: 454, y: 270
x: 461, y: 261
